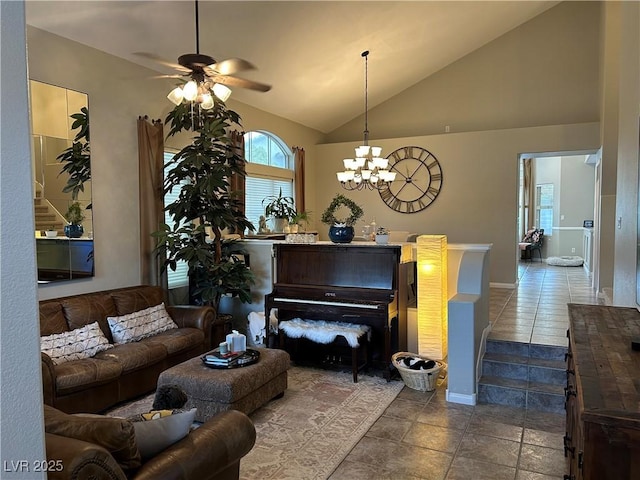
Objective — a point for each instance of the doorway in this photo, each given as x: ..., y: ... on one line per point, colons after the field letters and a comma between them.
x: 559, y: 192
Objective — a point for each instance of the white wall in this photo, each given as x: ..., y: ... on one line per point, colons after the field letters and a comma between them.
x: 22, y: 432
x: 573, y: 182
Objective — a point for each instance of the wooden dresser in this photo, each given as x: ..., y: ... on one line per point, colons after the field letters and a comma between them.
x: 603, y: 394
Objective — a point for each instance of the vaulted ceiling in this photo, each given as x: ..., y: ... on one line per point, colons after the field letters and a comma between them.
x: 309, y: 51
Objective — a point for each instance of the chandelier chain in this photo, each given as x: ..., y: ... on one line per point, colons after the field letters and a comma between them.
x: 368, y: 169
x: 365, y: 54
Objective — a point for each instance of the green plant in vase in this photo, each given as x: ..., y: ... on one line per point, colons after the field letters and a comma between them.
x: 341, y: 215
x: 75, y: 217
x: 299, y: 221
x: 281, y: 209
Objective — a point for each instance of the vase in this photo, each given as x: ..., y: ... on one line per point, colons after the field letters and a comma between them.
x: 382, y: 239
x: 73, y: 230
x: 279, y: 224
x: 343, y: 234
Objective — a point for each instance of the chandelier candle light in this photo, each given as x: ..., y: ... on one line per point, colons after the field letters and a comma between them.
x: 368, y: 169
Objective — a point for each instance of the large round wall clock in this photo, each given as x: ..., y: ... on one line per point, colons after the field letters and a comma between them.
x: 418, y: 180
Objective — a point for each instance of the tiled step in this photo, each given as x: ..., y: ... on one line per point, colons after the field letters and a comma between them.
x: 521, y: 393
x: 524, y: 368
x: 523, y: 375
x: 506, y: 347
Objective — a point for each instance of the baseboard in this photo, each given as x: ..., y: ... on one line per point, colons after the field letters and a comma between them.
x: 502, y: 285
x: 461, y: 398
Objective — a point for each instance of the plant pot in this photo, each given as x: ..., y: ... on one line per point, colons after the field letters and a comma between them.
x: 293, y: 228
x: 341, y: 234
x: 279, y: 224
x: 73, y: 231
x: 51, y: 233
x: 382, y: 239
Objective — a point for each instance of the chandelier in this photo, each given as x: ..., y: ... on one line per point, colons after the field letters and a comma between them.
x: 368, y: 169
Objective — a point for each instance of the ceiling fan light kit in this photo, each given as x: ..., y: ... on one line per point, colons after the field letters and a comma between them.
x: 368, y: 169
x: 207, y: 78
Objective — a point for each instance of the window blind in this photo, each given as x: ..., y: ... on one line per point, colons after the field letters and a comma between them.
x: 179, y: 277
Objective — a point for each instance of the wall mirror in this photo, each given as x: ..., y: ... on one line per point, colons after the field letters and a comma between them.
x: 61, y: 171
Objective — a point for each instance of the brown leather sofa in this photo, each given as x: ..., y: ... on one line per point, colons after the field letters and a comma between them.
x: 105, y: 449
x: 127, y: 370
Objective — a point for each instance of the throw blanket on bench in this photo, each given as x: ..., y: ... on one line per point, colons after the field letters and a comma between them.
x: 320, y: 331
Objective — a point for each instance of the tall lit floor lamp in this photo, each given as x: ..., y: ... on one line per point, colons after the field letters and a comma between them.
x: 432, y: 296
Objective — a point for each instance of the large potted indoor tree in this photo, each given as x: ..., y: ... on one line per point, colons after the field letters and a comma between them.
x: 206, y: 207
x: 76, y: 159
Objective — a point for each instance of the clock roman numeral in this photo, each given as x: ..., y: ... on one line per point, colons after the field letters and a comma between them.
x: 432, y: 193
x: 396, y: 155
x: 386, y: 195
x: 432, y: 164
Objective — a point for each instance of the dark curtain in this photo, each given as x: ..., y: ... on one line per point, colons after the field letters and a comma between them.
x: 528, y: 196
x: 237, y: 182
x: 298, y: 159
x: 151, y: 173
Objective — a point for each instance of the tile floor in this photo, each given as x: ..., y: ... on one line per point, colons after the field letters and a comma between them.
x: 421, y: 436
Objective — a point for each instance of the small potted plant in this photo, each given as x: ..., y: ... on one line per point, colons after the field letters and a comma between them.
x: 341, y: 226
x: 281, y: 209
x: 299, y: 220
x: 51, y: 232
x: 382, y: 236
x: 75, y: 217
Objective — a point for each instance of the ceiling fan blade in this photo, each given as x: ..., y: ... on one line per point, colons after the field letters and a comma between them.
x: 231, y: 66
x: 240, y: 82
x: 161, y: 61
x: 177, y: 75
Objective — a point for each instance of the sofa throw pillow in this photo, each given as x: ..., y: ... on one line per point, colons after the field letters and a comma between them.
x: 157, y: 430
x: 141, y: 324
x: 527, y: 236
x: 116, y: 435
x: 76, y: 344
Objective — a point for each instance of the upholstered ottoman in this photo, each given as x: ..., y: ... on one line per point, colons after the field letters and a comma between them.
x: 245, y: 388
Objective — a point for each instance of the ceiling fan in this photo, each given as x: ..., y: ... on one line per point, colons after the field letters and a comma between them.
x: 206, y: 75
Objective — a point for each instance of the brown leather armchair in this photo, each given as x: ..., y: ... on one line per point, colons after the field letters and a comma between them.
x: 100, y: 448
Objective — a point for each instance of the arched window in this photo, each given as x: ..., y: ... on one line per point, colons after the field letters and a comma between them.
x: 269, y: 168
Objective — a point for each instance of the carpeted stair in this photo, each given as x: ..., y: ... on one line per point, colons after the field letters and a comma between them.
x: 523, y: 375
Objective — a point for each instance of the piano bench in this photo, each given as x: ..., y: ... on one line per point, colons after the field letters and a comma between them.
x: 321, y: 332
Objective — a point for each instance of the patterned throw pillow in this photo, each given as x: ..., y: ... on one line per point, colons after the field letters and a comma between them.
x: 535, y: 237
x: 138, y: 325
x: 527, y: 237
x: 76, y: 344
x: 158, y: 429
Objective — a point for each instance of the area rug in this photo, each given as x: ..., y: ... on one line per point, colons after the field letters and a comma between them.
x: 321, y: 417
x: 312, y: 428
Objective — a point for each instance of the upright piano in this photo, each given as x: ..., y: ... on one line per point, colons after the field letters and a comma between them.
x: 361, y: 283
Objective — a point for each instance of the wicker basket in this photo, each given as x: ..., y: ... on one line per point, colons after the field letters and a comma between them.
x: 422, y: 380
